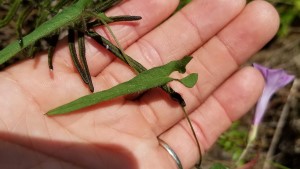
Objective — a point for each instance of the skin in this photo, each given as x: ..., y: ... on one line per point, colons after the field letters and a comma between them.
x: 122, y: 133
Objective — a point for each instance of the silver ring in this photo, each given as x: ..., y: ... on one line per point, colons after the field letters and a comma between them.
x: 171, y: 152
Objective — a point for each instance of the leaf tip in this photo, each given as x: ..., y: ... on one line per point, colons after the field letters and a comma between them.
x: 190, y: 80
x: 183, y: 62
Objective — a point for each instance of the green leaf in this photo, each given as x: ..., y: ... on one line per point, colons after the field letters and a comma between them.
x: 66, y: 17
x: 190, y: 80
x: 218, y: 166
x: 148, y: 79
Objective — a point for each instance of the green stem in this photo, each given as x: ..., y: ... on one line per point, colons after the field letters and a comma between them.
x: 250, y: 143
x: 198, y: 165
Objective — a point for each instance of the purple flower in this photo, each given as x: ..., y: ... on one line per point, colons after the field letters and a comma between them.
x: 275, y: 79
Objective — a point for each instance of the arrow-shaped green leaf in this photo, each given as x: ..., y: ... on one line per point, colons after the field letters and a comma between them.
x: 148, y: 79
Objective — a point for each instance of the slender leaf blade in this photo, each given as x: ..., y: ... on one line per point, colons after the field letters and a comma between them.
x: 151, y: 78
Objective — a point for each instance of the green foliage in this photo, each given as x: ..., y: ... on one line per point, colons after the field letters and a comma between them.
x: 233, y: 140
x: 63, y: 19
x: 49, y: 21
x: 151, y: 78
x: 78, y: 17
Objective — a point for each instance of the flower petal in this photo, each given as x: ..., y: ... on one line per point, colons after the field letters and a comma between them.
x: 275, y: 79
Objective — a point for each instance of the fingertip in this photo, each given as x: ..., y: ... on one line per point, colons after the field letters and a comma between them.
x: 240, y: 92
x: 252, y: 86
x: 266, y: 15
x: 253, y: 82
x: 260, y: 81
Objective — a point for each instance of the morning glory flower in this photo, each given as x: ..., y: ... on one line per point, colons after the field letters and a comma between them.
x: 275, y: 79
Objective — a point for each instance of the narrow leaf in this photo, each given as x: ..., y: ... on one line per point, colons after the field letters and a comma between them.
x: 151, y: 78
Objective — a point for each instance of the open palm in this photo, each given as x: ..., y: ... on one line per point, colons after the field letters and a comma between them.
x: 122, y: 133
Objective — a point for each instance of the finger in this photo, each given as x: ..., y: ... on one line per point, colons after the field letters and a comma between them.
x: 153, y: 12
x: 230, y: 101
x: 215, y: 62
x: 182, y: 34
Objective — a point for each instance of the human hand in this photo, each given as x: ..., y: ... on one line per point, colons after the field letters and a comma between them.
x: 122, y: 133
